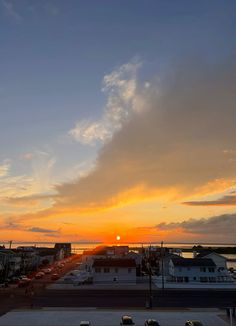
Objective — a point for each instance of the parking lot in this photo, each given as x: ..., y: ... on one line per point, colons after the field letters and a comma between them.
x: 71, y: 317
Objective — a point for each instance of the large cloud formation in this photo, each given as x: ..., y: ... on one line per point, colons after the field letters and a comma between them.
x: 182, y: 138
x: 216, y: 227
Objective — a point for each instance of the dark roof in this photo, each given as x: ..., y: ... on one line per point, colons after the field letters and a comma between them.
x: 193, y: 262
x: 7, y: 251
x: 95, y: 253
x: 46, y: 251
x: 114, y: 263
x: 204, y: 253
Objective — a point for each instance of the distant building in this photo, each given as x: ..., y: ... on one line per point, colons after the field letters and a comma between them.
x: 114, y: 270
x: 196, y: 270
x: 66, y: 248
x: 46, y: 255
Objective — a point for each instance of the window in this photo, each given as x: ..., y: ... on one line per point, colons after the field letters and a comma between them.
x: 116, y: 270
x: 211, y: 269
x: 203, y: 269
x: 203, y: 279
x: 98, y: 270
x: 212, y: 279
x: 106, y: 270
x: 194, y: 278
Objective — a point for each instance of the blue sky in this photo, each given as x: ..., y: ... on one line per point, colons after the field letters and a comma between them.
x: 54, y: 57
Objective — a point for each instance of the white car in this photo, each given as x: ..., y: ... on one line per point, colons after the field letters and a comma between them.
x: 85, y: 323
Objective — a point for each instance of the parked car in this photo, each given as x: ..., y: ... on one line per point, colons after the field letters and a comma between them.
x: 151, y: 322
x: 55, y: 277
x: 85, y: 323
x: 39, y: 275
x: 25, y: 281
x: 4, y: 285
x: 47, y: 270
x: 126, y: 320
x: 193, y: 323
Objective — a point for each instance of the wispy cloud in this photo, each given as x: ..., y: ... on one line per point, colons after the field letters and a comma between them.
x: 30, y: 191
x: 228, y: 200
x: 121, y: 87
x: 10, y: 10
x: 4, y: 168
x: 41, y: 230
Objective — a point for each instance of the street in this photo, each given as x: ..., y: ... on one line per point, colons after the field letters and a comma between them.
x: 135, y: 298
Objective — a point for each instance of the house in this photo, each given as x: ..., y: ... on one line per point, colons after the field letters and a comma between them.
x: 164, y: 264
x: 29, y: 258
x: 138, y: 260
x: 114, y: 270
x: 89, y: 256
x: 102, y: 252
x: 196, y: 270
x: 219, y: 260
x: 10, y: 262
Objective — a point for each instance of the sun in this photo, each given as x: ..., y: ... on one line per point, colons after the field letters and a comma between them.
x: 118, y: 238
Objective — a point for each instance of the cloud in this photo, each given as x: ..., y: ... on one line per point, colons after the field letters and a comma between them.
x: 227, y: 200
x: 4, y: 168
x: 41, y: 230
x: 121, y: 87
x: 29, y: 192
x: 174, y: 146
x: 217, y: 226
x: 10, y: 224
x: 11, y: 11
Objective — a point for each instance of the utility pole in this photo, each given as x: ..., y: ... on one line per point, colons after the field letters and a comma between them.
x: 162, y: 267
x: 10, y: 243
x: 150, y: 278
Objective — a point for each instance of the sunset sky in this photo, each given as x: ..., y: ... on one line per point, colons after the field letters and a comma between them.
x: 118, y: 118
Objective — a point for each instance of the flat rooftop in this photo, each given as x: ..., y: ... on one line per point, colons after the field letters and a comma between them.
x: 72, y: 317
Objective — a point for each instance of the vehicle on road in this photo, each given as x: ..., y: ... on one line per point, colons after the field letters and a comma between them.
x: 151, y: 322
x: 23, y: 282
x: 47, y: 270
x: 39, y: 275
x: 85, y: 323
x: 193, y: 323
x: 55, y: 277
x: 126, y: 320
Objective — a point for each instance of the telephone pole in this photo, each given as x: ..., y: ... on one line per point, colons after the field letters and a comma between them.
x: 162, y: 267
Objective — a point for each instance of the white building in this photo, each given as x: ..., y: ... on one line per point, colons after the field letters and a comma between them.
x: 114, y: 270
x: 102, y: 252
x: 219, y: 260
x: 196, y: 270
